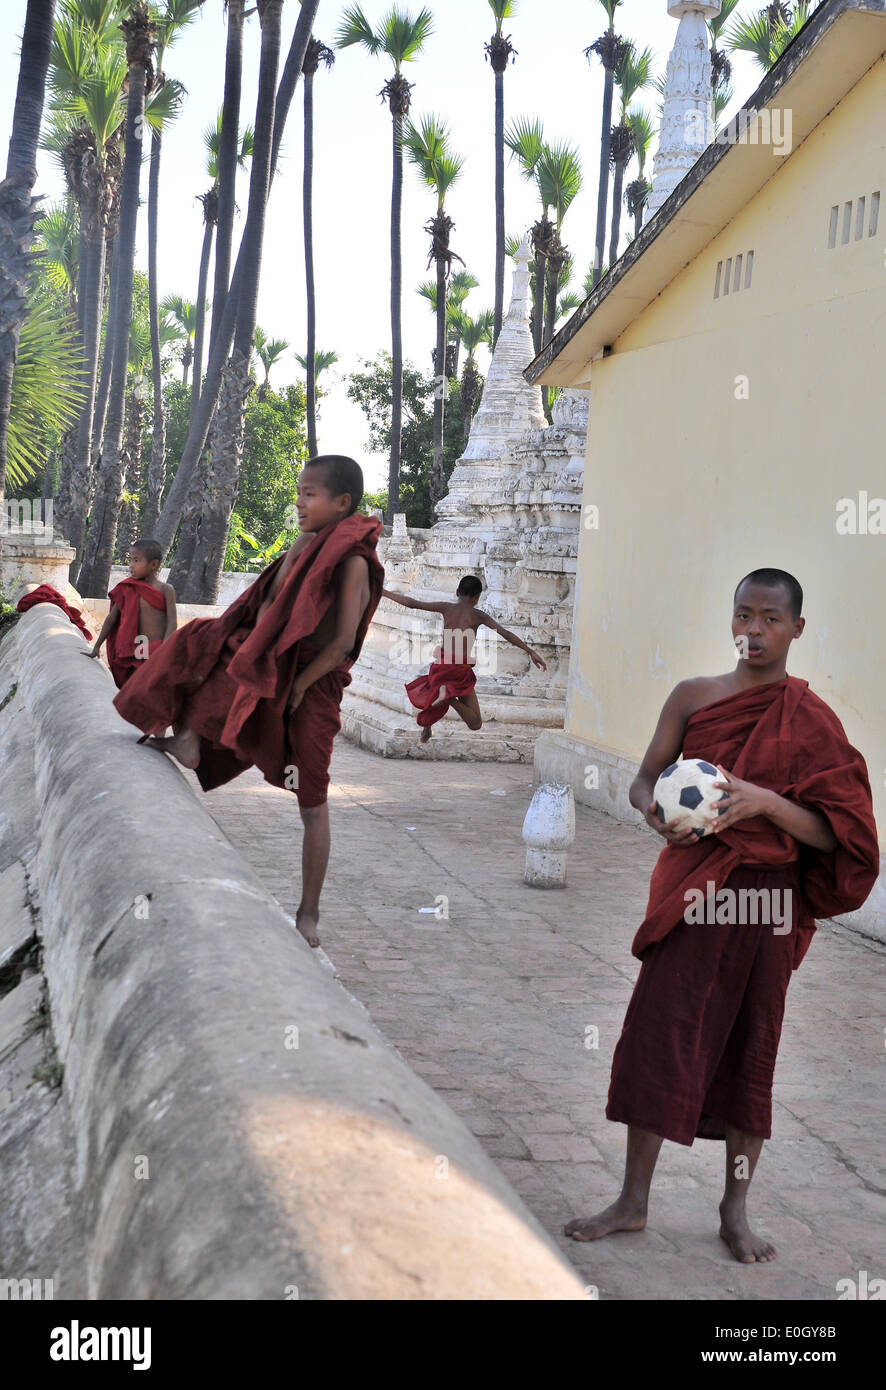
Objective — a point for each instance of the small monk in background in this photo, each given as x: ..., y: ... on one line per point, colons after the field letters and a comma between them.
x: 697, y: 1050
x: 451, y: 679
x: 142, y: 614
x: 262, y: 684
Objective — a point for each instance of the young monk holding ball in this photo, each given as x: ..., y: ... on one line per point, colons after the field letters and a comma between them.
x: 697, y: 1050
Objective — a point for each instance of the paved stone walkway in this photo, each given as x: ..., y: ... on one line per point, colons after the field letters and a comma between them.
x: 493, y: 1006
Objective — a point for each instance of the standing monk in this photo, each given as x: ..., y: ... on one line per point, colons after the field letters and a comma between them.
x: 698, y: 1046
x: 141, y: 616
x: 263, y: 683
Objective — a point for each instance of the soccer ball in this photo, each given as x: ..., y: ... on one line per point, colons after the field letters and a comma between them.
x: 685, y: 791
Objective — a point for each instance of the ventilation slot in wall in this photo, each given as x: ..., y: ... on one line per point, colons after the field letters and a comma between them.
x: 728, y: 279
x: 851, y: 226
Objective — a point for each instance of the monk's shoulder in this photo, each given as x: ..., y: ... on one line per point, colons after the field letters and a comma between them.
x: 697, y: 691
x: 817, y: 711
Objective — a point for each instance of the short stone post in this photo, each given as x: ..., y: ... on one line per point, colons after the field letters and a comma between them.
x: 548, y: 830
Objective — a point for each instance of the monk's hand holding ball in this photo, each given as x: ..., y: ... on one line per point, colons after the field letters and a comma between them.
x: 741, y: 801
x: 676, y: 832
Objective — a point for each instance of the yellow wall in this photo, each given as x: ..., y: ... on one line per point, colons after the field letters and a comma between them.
x: 696, y: 487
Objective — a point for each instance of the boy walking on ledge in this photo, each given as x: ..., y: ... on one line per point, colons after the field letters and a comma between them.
x: 697, y: 1051
x: 451, y: 679
x: 263, y: 683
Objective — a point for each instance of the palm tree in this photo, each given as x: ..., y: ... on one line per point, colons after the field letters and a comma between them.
x: 559, y: 182
x: 721, y: 68
x: 227, y: 159
x: 268, y: 350
x: 240, y: 301
x: 608, y: 49
x: 768, y: 34
x: 171, y: 20
x: 317, y: 53
x: 525, y: 140
x: 459, y: 287
x: 183, y: 313
x: 632, y: 73
x: 638, y: 190
x: 139, y: 363
x: 16, y: 208
x: 47, y: 385
x: 426, y: 146
x: 500, y: 51
x: 472, y: 332
x: 400, y: 38
x: 87, y: 109
x: 322, y: 361
x: 226, y: 440
x: 139, y: 31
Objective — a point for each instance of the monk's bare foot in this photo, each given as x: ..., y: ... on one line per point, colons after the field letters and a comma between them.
x: 425, y: 734
x: 184, y: 746
x: 746, y: 1247
x: 621, y: 1216
x: 307, y: 925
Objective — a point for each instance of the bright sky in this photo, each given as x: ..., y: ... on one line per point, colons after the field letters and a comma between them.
x: 352, y: 161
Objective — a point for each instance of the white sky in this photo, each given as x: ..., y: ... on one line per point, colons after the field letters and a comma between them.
x: 352, y: 163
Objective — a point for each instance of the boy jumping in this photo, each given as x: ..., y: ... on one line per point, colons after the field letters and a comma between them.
x: 451, y: 678
x: 263, y: 683
x: 699, y: 1041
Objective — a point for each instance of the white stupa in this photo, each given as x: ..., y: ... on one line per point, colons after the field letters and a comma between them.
x: 687, y: 121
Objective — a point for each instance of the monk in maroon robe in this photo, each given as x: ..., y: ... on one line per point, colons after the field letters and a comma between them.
x: 262, y: 684
x: 451, y: 679
x: 142, y: 614
x: 795, y: 839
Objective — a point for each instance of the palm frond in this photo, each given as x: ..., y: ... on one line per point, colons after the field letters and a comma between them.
x: 525, y: 140
x: 47, y: 387
x: 403, y: 36
x: 355, y: 28
x: 559, y: 177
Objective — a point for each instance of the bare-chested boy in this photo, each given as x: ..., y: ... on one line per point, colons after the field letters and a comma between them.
x: 142, y: 613
x: 697, y: 1050
x: 451, y: 678
x: 263, y: 683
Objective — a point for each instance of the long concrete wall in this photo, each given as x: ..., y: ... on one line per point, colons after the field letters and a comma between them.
x: 239, y: 1127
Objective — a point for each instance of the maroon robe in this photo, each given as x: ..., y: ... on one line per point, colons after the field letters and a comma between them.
x: 45, y: 593
x: 699, y: 1041
x: 229, y: 678
x: 127, y: 595
x: 424, y: 691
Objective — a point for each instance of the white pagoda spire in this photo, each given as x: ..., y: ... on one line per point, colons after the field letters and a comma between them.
x: 687, y: 119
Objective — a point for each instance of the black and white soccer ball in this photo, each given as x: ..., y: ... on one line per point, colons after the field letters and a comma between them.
x: 685, y: 791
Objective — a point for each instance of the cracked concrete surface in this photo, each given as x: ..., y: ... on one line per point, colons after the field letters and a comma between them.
x: 494, y: 1006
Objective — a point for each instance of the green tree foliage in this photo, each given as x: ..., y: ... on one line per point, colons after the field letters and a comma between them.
x: 275, y: 448
x: 372, y: 391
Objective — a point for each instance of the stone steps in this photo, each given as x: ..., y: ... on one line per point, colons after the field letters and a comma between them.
x: 395, y: 735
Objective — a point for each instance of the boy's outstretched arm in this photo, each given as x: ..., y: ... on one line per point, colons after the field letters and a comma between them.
x: 108, y: 626
x: 353, y: 598
x: 664, y: 749
x: 512, y: 638
x: 413, y: 602
x: 171, y: 612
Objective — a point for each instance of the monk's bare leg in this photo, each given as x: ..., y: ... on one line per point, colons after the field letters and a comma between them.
x: 628, y: 1212
x: 184, y: 746
x: 742, y: 1152
x: 314, y: 858
x: 468, y: 707
x: 425, y: 734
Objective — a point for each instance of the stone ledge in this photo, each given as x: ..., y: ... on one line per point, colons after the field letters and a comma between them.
x: 173, y: 978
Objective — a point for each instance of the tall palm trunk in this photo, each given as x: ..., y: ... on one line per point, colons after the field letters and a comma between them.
x: 128, y: 526
x: 607, y: 48
x: 170, y: 515
x: 187, y: 359
x: 226, y: 443
x: 228, y: 146
x: 17, y: 209
x: 396, y: 320
x: 210, y: 212
x: 96, y: 568
x: 437, y: 479
x: 615, y: 230
x: 73, y: 493
x: 157, y: 466
x: 308, y: 222
x: 542, y: 234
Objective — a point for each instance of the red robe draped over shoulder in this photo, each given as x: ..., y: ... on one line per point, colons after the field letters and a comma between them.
x: 45, y: 593
x: 253, y: 728
x: 127, y: 595
x: 781, y: 736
